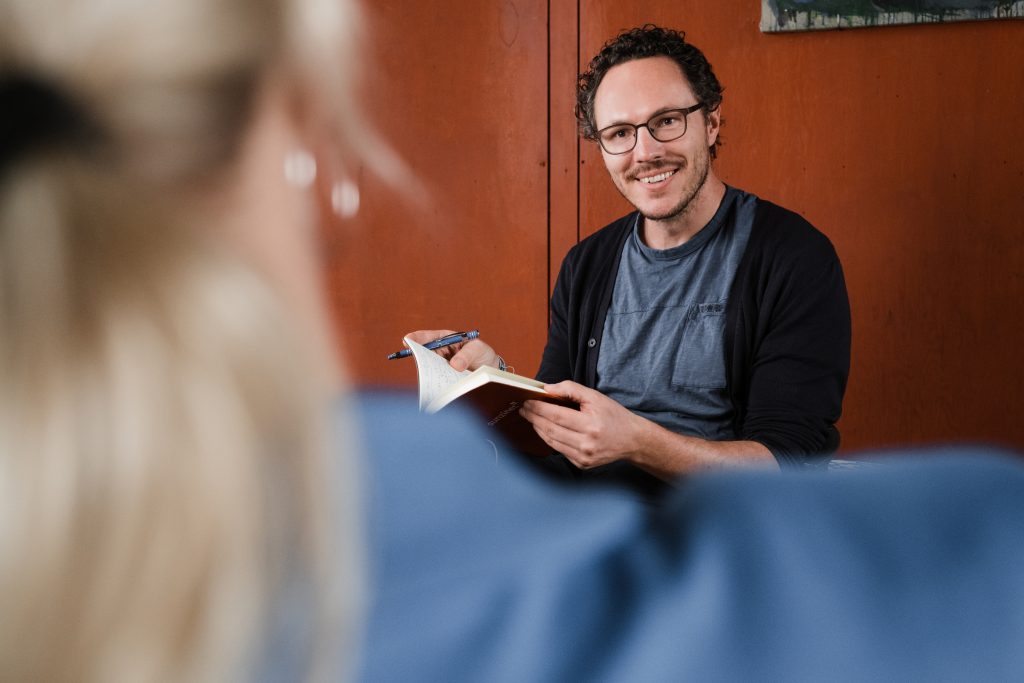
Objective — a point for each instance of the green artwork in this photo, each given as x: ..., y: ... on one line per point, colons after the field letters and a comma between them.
x: 809, y: 15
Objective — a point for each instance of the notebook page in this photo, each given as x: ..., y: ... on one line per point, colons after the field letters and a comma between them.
x: 435, y: 375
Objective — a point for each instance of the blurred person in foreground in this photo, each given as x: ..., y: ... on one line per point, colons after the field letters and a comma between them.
x: 166, y: 372
x: 171, y: 508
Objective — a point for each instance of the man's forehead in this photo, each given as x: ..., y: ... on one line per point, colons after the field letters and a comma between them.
x: 640, y: 88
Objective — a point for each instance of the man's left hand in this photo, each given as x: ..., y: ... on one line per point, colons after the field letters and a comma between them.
x: 600, y: 432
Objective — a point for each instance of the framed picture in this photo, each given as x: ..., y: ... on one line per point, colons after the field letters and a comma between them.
x: 810, y: 15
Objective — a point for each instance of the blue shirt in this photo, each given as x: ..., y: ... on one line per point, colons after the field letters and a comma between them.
x: 484, y: 571
x: 663, y: 345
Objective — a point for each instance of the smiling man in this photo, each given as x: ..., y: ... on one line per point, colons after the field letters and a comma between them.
x: 708, y: 328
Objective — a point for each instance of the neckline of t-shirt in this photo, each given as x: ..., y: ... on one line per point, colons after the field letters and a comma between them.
x: 702, y: 237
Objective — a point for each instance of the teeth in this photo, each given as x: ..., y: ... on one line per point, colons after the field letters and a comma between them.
x: 656, y: 178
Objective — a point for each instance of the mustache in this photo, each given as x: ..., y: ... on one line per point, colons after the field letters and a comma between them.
x: 654, y: 167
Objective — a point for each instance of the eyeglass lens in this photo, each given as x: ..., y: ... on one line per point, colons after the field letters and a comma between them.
x: 664, y: 127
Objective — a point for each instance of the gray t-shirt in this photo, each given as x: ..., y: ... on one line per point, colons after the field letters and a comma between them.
x: 662, y: 353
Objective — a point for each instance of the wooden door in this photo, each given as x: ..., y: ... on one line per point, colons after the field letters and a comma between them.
x: 459, y: 87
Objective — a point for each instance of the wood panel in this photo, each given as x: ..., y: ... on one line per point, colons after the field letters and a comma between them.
x: 460, y: 89
x: 563, y: 48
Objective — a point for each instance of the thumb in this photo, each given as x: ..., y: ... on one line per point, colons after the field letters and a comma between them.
x: 568, y: 389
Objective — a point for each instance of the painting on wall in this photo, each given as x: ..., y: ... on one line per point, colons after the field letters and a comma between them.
x: 810, y: 15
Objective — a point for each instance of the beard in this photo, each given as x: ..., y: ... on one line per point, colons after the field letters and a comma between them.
x: 697, y: 175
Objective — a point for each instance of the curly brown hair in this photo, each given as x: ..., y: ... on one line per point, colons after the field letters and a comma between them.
x: 639, y: 43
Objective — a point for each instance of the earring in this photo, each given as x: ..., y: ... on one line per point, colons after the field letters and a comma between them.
x: 345, y: 198
x: 299, y: 168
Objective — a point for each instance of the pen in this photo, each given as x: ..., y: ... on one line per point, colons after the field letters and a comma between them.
x: 438, y: 343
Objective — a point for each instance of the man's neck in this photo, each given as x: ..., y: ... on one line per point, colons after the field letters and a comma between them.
x: 671, y: 232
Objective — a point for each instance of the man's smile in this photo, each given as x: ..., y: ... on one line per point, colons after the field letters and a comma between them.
x: 652, y: 179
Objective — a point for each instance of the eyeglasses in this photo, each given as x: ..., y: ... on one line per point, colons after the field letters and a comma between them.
x: 664, y: 127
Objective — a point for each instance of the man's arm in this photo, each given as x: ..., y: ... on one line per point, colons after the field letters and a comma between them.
x: 799, y: 349
x: 555, y: 363
x: 603, y: 431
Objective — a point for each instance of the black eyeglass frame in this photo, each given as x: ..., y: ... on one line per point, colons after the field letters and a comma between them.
x: 685, y: 111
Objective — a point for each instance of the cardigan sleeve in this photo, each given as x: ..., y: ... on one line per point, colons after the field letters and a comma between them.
x: 556, y: 364
x: 799, y: 358
x: 579, y: 303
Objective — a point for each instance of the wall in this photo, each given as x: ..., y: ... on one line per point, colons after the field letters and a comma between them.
x: 461, y: 91
x: 903, y: 144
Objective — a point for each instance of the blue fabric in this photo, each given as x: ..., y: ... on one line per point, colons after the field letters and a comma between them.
x: 484, y: 571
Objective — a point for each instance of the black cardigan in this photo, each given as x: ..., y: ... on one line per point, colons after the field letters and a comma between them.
x: 787, y: 330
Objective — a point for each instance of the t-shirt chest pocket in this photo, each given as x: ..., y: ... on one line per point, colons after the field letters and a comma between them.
x: 700, y: 360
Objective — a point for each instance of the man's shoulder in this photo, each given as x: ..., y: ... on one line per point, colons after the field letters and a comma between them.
x: 785, y: 221
x: 778, y: 229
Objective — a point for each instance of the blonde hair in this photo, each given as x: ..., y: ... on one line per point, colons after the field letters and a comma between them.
x: 162, y: 444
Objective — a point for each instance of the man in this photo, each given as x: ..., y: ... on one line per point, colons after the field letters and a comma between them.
x: 709, y: 328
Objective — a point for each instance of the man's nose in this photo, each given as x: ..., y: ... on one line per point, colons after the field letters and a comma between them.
x: 646, y: 146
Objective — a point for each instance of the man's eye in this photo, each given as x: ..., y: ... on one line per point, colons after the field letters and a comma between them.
x: 620, y: 133
x: 666, y: 121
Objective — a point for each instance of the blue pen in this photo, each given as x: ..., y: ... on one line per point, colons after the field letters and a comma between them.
x: 438, y: 343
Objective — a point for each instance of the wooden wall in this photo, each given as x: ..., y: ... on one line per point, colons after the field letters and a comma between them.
x: 904, y: 144
x: 460, y: 89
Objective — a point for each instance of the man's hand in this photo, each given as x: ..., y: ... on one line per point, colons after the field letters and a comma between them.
x: 462, y: 356
x: 600, y: 432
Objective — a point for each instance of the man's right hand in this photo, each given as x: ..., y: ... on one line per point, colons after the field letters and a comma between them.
x: 462, y: 356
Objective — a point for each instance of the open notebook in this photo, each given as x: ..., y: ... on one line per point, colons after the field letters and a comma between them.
x: 491, y: 393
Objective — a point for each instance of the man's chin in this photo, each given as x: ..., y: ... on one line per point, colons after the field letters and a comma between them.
x: 663, y: 214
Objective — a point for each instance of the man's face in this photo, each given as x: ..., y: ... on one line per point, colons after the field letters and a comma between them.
x: 659, y: 178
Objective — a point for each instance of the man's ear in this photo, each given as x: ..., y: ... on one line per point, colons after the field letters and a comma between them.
x: 713, y: 122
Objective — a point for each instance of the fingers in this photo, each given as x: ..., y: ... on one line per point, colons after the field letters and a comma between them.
x: 572, y: 391
x: 553, y: 434
x: 566, y: 426
x: 447, y: 352
x: 464, y: 356
x: 600, y: 432
x: 567, y: 418
x: 568, y: 442
x: 472, y: 355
